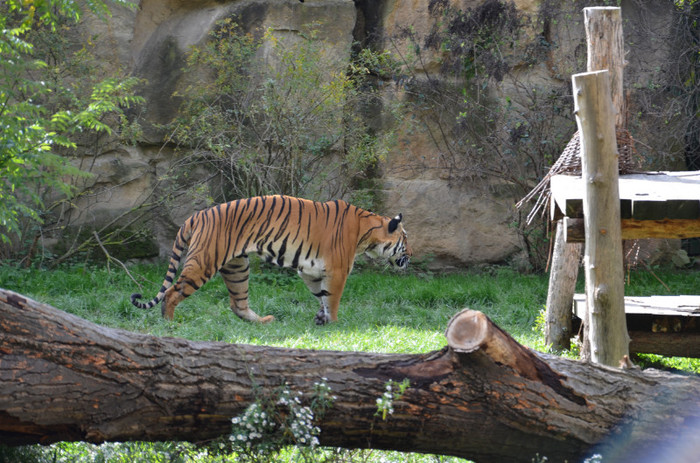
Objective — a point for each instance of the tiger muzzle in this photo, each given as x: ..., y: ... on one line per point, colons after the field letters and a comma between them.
x: 402, y: 262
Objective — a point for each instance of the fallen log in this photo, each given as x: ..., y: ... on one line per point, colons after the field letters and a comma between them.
x: 483, y: 397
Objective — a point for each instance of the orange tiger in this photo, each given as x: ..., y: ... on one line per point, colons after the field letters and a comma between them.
x: 319, y: 240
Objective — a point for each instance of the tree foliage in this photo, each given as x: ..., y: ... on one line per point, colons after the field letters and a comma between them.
x: 41, y: 111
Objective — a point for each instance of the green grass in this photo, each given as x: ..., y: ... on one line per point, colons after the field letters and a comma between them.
x: 411, y: 309
x: 381, y: 311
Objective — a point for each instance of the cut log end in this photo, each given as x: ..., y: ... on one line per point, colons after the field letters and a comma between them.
x: 467, y: 331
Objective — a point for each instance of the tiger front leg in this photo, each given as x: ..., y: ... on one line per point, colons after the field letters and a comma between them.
x: 323, y: 315
x: 235, y: 274
x: 328, y: 292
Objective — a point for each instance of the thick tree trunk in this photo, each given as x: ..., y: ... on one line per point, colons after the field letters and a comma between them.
x: 482, y: 397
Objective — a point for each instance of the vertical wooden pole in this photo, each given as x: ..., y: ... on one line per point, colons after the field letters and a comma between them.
x: 606, y: 51
x: 562, y: 286
x: 602, y: 262
x: 605, y: 46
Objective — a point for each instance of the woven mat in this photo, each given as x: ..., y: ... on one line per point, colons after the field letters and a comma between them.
x: 569, y: 163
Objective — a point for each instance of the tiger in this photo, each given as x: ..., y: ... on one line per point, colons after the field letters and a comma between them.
x: 319, y: 240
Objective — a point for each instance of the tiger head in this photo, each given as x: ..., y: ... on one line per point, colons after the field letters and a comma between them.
x: 389, y: 240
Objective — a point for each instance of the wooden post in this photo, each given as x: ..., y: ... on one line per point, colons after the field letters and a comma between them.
x: 605, y: 318
x: 562, y: 286
x: 605, y: 51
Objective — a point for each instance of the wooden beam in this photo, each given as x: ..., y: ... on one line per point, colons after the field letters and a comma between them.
x: 638, y: 229
x: 669, y: 344
x: 673, y: 306
x: 605, y: 51
x: 607, y: 326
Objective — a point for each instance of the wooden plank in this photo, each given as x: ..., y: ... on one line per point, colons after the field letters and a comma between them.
x: 669, y: 344
x: 639, y: 229
x: 648, y: 196
x: 675, y: 306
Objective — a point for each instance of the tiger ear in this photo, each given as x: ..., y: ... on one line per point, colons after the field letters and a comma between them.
x: 394, y: 223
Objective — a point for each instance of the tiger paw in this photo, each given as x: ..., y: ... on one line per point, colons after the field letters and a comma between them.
x: 322, y: 317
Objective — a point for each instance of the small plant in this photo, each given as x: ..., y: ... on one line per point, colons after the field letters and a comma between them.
x: 269, y: 424
x: 394, y: 391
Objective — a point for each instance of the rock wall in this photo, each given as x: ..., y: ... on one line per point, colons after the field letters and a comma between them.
x: 452, y: 221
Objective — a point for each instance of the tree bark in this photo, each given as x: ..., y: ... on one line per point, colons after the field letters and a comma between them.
x: 483, y: 396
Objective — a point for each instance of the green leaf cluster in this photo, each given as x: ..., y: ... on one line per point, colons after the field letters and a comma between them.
x: 41, y: 111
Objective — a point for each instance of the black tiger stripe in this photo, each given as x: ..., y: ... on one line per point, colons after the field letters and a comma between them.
x: 295, y: 260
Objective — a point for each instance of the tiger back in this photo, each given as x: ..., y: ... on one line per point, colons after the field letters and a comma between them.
x: 319, y: 240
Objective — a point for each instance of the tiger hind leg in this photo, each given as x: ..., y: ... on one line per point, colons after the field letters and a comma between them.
x: 193, y: 277
x: 176, y: 294
x: 235, y: 274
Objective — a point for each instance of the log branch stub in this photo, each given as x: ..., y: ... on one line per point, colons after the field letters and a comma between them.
x: 471, y: 331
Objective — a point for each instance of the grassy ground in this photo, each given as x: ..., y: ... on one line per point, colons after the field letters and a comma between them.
x: 381, y: 311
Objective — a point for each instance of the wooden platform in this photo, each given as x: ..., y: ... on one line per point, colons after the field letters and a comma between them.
x: 652, y: 205
x: 666, y: 325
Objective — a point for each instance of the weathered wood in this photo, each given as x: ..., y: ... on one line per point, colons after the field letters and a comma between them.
x: 562, y: 285
x: 668, y: 344
x: 681, y: 305
x: 648, y: 196
x: 638, y: 229
x: 606, y: 51
x: 482, y: 397
x: 676, y: 306
x: 605, y: 46
x: 602, y: 262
